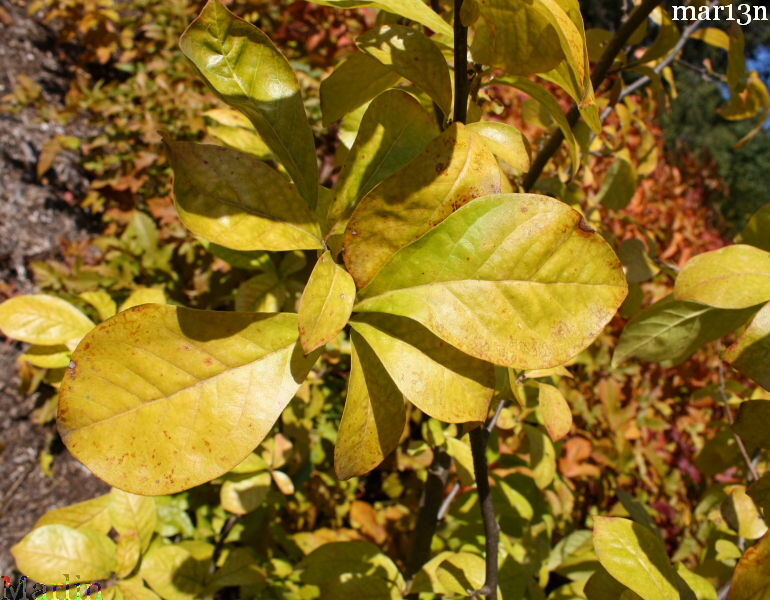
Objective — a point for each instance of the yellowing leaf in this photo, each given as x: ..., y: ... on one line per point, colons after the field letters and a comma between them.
x: 174, y: 572
x: 43, y: 319
x: 128, y: 552
x: 244, y: 68
x: 460, y: 572
x: 506, y: 142
x: 673, y: 330
x: 412, y: 55
x: 152, y: 392
x: 414, y: 10
x: 556, y: 413
x: 394, y: 130
x: 438, y: 379
x: 130, y: 512
x: 47, y: 552
x: 750, y: 354
x: 751, y: 579
x: 91, y: 514
x: 732, y: 277
x: 235, y: 130
x: 47, y: 357
x: 134, y: 589
x: 235, y: 200
x: 757, y: 230
x: 542, y: 456
x: 245, y: 494
x: 373, y: 418
x: 102, y: 302
x: 744, y: 515
x: 326, y: 303
x: 352, y: 84
x: 451, y: 171
x: 144, y: 295
x: 517, y: 280
x: 262, y: 293
x: 461, y: 452
x: 634, y: 556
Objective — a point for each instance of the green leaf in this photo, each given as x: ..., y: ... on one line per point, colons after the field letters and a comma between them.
x: 461, y: 572
x: 326, y: 303
x: 671, y: 330
x: 345, y: 570
x: 549, y: 103
x: 635, y: 557
x: 262, y: 293
x: 91, y: 514
x: 751, y: 579
x: 506, y: 142
x: 374, y: 416
x: 235, y: 130
x: 130, y: 512
x: 47, y: 552
x: 235, y: 200
x: 394, y: 130
x: 412, y: 55
x: 414, y: 10
x: 438, y: 379
x: 542, y: 456
x: 352, y: 84
x: 757, y: 230
x: 619, y: 185
x: 556, y: 413
x: 451, y: 171
x: 750, y: 354
x: 151, y: 393
x: 732, y: 277
x: 43, y: 319
x: 244, y: 494
x: 602, y: 586
x: 751, y: 423
x: 517, y: 279
x: 701, y: 586
x: 240, y: 568
x: 245, y: 69
x: 175, y: 573
x: 639, y: 266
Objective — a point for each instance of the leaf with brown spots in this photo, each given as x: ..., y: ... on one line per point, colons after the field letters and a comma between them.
x: 454, y: 168
x: 163, y: 398
x: 511, y: 278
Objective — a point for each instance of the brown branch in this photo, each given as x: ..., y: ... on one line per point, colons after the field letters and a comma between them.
x: 599, y: 74
x: 753, y: 474
x: 462, y: 81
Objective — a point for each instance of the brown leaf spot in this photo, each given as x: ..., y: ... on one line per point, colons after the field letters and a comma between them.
x: 72, y: 368
x: 584, y: 226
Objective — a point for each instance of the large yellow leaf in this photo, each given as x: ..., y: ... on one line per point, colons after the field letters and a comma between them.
x: 454, y: 168
x: 326, y: 303
x: 373, y: 418
x: 245, y: 69
x: 395, y: 128
x: 162, y: 398
x: 732, y: 277
x: 43, y: 319
x: 519, y: 280
x: 48, y: 552
x: 352, y: 84
x: 235, y: 200
x: 412, y: 55
x: 439, y: 380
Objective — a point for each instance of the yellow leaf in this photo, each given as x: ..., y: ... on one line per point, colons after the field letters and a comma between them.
x: 144, y: 295
x: 557, y: 416
x: 42, y: 319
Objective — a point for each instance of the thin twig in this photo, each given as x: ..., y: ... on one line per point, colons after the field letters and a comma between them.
x: 462, y: 81
x: 479, y: 438
x: 598, y: 76
x: 753, y: 474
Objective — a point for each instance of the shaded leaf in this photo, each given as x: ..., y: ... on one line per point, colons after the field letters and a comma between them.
x: 245, y: 69
x: 374, y: 415
x: 235, y: 200
x: 517, y: 280
x: 394, y: 130
x: 460, y: 572
x: 235, y: 130
x: 542, y: 456
x: 353, y: 83
x: 412, y: 55
x: 245, y: 494
x: 750, y: 354
x: 619, y: 185
x: 223, y: 376
x: 757, y: 230
x: 751, y: 423
x: 451, y: 171
x: 174, y: 572
x: 671, y: 330
x: 326, y: 303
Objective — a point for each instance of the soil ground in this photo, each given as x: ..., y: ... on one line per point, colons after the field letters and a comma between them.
x: 34, y: 219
